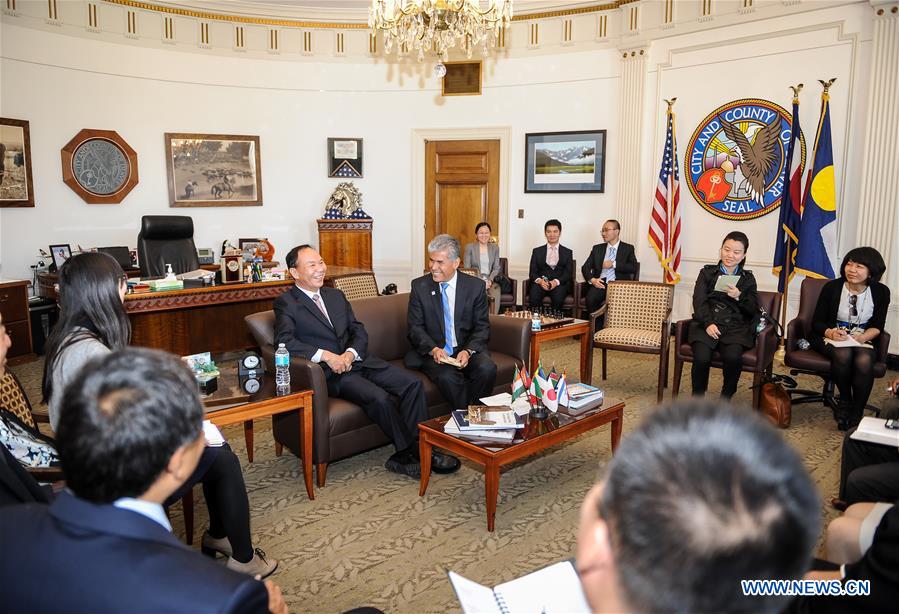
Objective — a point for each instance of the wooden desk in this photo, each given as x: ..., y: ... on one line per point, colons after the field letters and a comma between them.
x: 196, y: 320
x: 537, y: 436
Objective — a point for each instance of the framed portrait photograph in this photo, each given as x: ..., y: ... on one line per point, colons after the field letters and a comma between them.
x: 565, y: 161
x: 213, y: 170
x: 16, y: 185
x: 60, y: 253
x: 345, y: 158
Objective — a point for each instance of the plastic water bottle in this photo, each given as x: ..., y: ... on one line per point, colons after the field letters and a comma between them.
x: 282, y: 367
x: 535, y: 321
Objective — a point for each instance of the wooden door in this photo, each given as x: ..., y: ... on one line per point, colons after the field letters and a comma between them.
x: 461, y: 189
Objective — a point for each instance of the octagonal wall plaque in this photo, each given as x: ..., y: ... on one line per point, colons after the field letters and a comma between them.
x: 99, y: 166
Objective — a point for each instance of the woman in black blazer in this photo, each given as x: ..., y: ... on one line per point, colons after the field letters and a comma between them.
x: 723, y: 320
x: 853, y: 305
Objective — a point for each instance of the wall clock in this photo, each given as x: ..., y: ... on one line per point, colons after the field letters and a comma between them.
x: 99, y: 166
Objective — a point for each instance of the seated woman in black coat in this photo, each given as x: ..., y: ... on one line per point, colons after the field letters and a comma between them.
x: 723, y: 320
x: 852, y: 306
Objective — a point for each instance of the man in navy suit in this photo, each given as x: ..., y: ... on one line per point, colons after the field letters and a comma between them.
x: 551, y: 269
x: 130, y: 435
x: 610, y: 260
x: 317, y: 323
x: 448, y: 319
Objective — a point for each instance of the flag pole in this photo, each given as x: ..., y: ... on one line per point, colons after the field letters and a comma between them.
x: 788, y: 260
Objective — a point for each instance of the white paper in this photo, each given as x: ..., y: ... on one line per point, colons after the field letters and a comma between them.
x: 473, y: 597
x: 873, y: 430
x: 529, y: 593
x: 521, y: 406
x: 213, y: 435
x: 553, y: 589
x: 848, y: 342
x: 726, y: 280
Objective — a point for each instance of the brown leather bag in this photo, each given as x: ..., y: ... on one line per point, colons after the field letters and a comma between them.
x: 775, y: 404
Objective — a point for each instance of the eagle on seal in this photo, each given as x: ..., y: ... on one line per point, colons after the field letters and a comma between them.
x: 756, y: 158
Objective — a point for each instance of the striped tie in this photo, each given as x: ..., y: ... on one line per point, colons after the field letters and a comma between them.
x: 447, y: 319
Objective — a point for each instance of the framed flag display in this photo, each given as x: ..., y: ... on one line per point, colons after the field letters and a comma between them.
x: 345, y: 158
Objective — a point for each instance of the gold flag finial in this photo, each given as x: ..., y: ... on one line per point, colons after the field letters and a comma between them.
x: 670, y: 103
x: 796, y: 89
x: 826, y: 84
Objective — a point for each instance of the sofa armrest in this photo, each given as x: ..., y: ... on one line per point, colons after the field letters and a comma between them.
x: 681, y: 334
x: 510, y: 336
x: 765, y: 347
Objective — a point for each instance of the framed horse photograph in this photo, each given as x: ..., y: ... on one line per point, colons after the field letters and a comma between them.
x: 213, y: 170
x: 16, y: 185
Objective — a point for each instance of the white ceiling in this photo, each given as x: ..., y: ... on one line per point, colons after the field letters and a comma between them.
x: 346, y: 10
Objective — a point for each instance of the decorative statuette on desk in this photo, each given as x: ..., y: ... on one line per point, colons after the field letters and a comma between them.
x: 232, y: 267
x: 345, y: 203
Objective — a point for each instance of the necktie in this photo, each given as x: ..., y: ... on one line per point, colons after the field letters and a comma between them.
x: 613, y: 251
x: 552, y: 255
x: 447, y: 319
x: 318, y: 303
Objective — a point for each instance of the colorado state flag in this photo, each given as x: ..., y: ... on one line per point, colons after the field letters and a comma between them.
x: 818, y: 229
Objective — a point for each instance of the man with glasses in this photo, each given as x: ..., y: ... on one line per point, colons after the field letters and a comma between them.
x: 613, y: 259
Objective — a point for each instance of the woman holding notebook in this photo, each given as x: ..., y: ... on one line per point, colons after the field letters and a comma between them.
x: 850, y: 314
x: 725, y: 315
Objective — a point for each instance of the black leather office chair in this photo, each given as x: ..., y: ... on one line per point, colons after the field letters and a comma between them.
x: 166, y: 239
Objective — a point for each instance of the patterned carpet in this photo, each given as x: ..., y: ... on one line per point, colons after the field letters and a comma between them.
x: 369, y: 539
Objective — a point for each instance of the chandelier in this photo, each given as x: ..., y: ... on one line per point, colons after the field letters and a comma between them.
x: 438, y: 25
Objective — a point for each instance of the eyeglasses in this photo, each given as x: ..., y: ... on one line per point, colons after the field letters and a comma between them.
x: 853, y: 305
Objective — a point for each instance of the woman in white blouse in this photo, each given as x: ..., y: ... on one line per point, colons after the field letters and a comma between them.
x: 484, y: 256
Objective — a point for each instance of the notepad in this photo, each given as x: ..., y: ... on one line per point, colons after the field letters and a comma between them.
x: 556, y: 588
x: 726, y: 280
x: 848, y: 342
x: 873, y: 430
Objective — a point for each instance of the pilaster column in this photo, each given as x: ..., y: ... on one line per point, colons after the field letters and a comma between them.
x: 879, y: 193
x: 629, y: 138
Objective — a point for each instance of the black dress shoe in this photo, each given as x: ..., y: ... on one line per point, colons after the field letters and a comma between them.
x: 404, y: 464
x: 444, y: 463
x: 838, y: 504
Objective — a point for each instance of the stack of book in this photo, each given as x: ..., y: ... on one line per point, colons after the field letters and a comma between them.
x: 165, y: 284
x: 496, y: 423
x: 583, y: 397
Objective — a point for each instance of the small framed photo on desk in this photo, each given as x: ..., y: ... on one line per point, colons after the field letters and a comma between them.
x: 60, y: 253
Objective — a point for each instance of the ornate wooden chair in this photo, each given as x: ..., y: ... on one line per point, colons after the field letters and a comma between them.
x: 356, y: 285
x: 637, y: 319
x: 757, y: 360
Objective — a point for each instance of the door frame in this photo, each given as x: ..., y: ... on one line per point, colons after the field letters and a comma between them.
x: 419, y: 136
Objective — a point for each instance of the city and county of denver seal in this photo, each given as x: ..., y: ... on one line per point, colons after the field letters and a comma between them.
x: 100, y: 167
x: 735, y: 159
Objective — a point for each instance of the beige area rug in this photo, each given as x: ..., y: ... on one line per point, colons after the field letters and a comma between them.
x: 369, y: 539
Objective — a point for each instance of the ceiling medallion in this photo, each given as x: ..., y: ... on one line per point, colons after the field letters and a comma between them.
x: 439, y: 25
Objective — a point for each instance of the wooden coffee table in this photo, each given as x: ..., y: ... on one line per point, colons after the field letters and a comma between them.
x: 536, y: 436
x: 230, y: 404
x: 578, y: 328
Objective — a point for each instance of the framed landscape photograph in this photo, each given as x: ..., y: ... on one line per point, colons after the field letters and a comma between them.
x: 16, y: 186
x: 565, y: 161
x: 345, y: 158
x: 213, y: 170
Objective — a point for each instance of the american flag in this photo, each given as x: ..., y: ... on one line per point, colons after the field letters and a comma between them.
x: 664, y: 225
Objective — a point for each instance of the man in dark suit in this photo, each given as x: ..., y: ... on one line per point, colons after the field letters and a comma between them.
x: 448, y: 319
x: 613, y: 259
x: 551, y: 269
x: 130, y: 435
x: 317, y: 323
